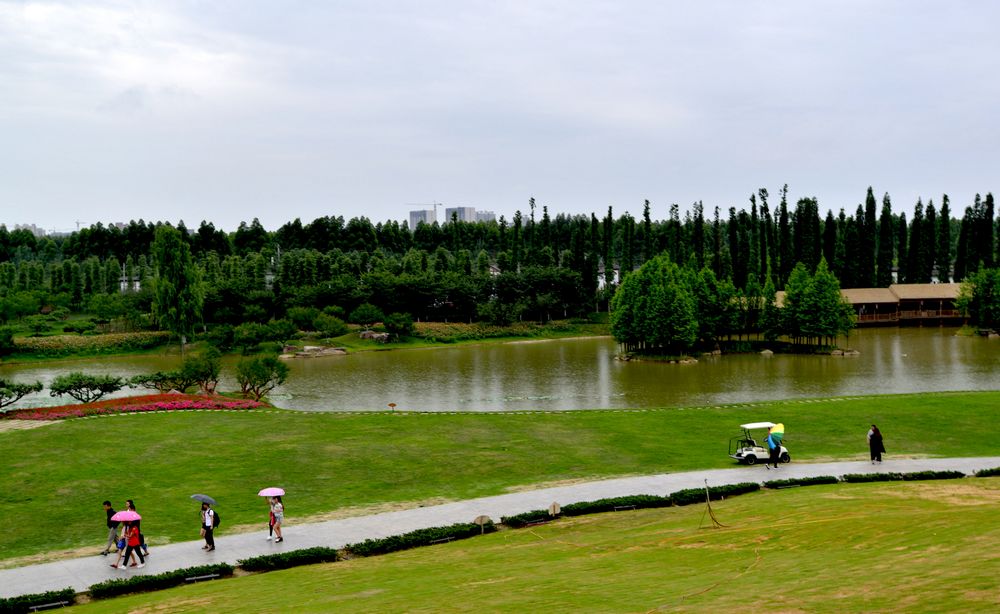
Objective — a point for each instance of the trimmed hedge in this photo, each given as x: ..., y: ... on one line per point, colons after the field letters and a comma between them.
x: 284, y: 560
x: 23, y: 603
x: 520, y: 520
x: 988, y: 473
x: 420, y: 537
x: 689, y: 496
x: 138, y: 584
x: 909, y: 477
x: 609, y: 505
x: 820, y: 479
x: 933, y: 475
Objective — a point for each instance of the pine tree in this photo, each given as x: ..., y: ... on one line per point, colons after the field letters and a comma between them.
x: 915, y: 254
x: 868, y: 241
x: 786, y: 259
x: 902, y: 233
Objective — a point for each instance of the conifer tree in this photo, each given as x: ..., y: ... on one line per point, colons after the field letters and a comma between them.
x: 885, y: 244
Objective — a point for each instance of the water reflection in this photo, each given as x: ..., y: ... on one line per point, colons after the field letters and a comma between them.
x: 582, y: 373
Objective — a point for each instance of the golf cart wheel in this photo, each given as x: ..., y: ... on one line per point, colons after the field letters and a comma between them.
x: 785, y: 458
x: 751, y: 459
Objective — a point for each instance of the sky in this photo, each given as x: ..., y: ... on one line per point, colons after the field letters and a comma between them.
x: 227, y: 110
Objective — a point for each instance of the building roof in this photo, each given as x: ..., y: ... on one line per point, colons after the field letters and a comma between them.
x: 857, y: 296
x: 915, y: 292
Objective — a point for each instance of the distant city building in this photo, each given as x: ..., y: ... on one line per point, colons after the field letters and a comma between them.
x: 427, y: 216
x: 35, y: 230
x: 486, y: 216
x: 463, y: 214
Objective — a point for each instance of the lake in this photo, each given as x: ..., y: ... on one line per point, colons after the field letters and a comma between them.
x: 583, y: 373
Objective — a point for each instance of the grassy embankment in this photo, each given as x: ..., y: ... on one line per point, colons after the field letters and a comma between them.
x: 346, y: 464
x: 901, y: 547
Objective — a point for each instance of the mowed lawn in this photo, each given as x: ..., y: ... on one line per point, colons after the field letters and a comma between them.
x: 57, y: 475
x: 888, y: 547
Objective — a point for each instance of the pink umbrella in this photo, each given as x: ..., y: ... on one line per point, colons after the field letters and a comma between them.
x: 273, y: 491
x: 126, y: 516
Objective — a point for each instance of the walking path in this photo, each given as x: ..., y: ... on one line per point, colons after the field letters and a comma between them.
x: 83, y: 572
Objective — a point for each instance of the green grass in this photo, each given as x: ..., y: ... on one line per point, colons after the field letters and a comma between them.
x: 58, y: 475
x: 914, y: 547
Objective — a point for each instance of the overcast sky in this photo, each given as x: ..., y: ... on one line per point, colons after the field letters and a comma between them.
x: 226, y: 110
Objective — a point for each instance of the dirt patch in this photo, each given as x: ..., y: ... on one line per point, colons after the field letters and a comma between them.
x: 953, y: 494
x: 23, y: 425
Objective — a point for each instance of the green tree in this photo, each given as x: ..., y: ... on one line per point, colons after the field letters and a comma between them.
x: 398, y: 324
x: 366, y: 314
x: 85, y: 388
x: 259, y: 375
x: 979, y: 298
x: 12, y: 392
x: 885, y: 244
x: 653, y: 309
x: 330, y: 325
x: 179, y: 293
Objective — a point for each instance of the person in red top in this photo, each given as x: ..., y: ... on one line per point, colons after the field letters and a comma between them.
x: 132, y: 541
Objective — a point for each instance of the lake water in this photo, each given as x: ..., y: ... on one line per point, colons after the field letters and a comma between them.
x: 582, y: 373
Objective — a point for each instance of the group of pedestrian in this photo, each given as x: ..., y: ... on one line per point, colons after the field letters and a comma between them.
x: 125, y: 537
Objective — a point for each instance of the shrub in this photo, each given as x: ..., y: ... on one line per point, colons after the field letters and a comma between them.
x: 987, y: 473
x: 80, y: 327
x: 7, y: 345
x: 303, y: 317
x: 420, y: 537
x: 330, y: 326
x: 366, y: 314
x: 820, y: 479
x: 137, y: 584
x: 697, y: 495
x: 24, y: 603
x: 399, y: 324
x: 85, y: 388
x: 281, y: 330
x: 520, y: 520
x: 221, y: 336
x: 284, y: 560
x: 871, y: 477
x: 609, y: 505
x: 248, y: 335
x: 335, y: 310
x: 114, y: 343
x: 932, y: 475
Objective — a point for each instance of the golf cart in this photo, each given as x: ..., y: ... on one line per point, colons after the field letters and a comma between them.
x: 746, y: 449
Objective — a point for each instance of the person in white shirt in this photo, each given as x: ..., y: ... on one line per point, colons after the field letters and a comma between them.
x: 278, y: 513
x: 208, y: 526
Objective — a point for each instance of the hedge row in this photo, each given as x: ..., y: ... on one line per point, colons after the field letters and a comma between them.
x: 24, y: 603
x: 294, y: 558
x: 520, y: 520
x: 420, y: 537
x: 697, y: 495
x: 820, y: 479
x: 899, y: 477
x: 988, y: 473
x: 138, y: 584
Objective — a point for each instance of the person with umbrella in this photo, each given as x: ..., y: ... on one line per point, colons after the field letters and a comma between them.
x: 130, y: 505
x: 273, y: 520
x: 207, y: 521
x: 774, y: 436
x: 130, y: 535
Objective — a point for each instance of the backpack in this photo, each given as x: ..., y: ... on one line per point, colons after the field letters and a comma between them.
x: 215, y: 519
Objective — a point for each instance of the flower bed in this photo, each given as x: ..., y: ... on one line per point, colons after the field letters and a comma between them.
x: 153, y: 402
x: 112, y: 343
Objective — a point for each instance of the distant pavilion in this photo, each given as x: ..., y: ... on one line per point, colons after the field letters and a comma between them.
x: 902, y: 304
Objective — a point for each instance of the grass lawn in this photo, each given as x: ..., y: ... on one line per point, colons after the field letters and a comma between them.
x: 347, y: 464
x: 890, y: 547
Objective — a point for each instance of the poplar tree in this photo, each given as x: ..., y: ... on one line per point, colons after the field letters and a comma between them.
x: 943, y: 251
x: 885, y: 244
x: 178, y: 291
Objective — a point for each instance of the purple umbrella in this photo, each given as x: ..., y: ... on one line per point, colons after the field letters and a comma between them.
x: 272, y: 491
x: 126, y: 516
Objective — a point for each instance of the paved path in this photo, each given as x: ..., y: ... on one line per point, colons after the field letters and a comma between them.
x: 83, y: 572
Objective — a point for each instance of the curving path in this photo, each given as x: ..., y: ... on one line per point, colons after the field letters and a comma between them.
x: 83, y: 572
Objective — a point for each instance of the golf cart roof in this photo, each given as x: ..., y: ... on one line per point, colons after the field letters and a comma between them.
x: 757, y: 425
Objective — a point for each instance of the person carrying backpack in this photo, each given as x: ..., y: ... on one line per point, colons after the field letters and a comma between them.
x: 209, y: 520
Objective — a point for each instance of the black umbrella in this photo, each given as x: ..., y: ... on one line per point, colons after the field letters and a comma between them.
x: 204, y: 499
